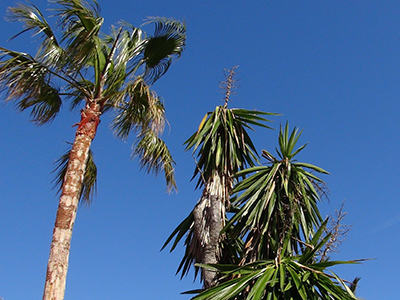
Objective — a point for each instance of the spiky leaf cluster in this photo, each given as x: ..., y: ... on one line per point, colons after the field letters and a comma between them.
x: 289, y: 277
x: 275, y: 199
x: 222, y: 143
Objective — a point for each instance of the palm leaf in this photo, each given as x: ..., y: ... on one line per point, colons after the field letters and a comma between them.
x: 81, y: 26
x: 27, y: 84
x: 139, y: 107
x: 155, y: 157
x: 180, y: 231
x: 127, y: 45
x: 167, y: 41
x: 33, y: 20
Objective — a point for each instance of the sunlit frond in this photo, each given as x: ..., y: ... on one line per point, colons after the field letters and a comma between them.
x: 32, y: 19
x: 81, y: 25
x: 89, y: 183
x: 127, y: 59
x: 154, y: 156
x: 78, y: 14
x: 26, y: 83
x: 137, y: 107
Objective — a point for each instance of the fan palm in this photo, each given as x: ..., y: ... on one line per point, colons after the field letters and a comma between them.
x: 101, y: 73
x: 223, y: 147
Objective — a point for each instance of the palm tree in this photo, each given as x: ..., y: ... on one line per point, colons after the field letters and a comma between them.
x: 223, y: 148
x: 283, y: 234
x: 103, y: 73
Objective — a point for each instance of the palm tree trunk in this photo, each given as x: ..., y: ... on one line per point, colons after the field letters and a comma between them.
x: 208, y: 223
x: 59, y: 251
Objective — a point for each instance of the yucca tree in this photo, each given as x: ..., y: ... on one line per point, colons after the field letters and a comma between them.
x: 275, y: 199
x: 101, y: 73
x: 283, y: 233
x: 223, y: 147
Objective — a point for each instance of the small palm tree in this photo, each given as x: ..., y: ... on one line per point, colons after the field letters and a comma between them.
x: 223, y: 147
x: 103, y: 73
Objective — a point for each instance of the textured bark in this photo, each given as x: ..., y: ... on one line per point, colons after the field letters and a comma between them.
x: 59, y: 251
x: 208, y: 223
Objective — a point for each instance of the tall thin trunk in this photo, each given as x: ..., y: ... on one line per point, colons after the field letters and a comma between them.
x: 59, y: 251
x: 208, y: 223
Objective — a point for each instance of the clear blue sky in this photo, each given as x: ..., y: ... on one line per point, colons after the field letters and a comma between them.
x: 331, y: 68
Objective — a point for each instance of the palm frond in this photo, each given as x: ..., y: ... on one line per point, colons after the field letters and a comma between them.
x: 138, y: 108
x: 27, y: 83
x: 127, y: 45
x: 78, y: 15
x: 154, y: 156
x: 167, y: 41
x: 89, y: 183
x: 192, y: 253
x: 81, y: 24
x: 49, y: 51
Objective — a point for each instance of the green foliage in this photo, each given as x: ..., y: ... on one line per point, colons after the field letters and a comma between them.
x: 28, y: 81
x: 223, y: 146
x: 222, y: 142
x: 155, y: 156
x: 168, y: 39
x: 285, y: 277
x: 275, y: 199
x: 275, y: 234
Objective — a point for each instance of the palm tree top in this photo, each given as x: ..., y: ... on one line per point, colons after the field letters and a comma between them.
x: 86, y: 62
x: 80, y: 65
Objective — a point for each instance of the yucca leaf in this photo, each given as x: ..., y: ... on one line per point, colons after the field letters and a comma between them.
x: 179, y: 232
